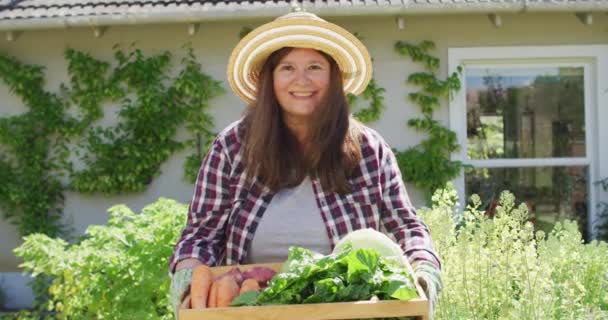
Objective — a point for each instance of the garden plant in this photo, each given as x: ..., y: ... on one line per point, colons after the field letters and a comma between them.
x: 493, y: 267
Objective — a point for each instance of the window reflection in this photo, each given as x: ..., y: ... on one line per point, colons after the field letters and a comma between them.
x: 525, y: 113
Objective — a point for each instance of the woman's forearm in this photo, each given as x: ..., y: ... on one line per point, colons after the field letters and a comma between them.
x: 187, y: 263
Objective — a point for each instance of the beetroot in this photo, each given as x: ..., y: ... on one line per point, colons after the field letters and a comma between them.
x: 235, y: 273
x: 260, y: 274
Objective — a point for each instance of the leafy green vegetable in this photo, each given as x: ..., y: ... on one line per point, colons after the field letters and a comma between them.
x: 350, y: 275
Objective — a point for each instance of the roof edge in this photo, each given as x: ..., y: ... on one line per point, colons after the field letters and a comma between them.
x: 336, y: 9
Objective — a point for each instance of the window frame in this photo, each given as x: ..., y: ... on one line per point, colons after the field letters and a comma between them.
x: 593, y: 58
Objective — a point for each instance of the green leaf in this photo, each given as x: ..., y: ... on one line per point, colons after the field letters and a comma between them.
x: 399, y: 287
x: 248, y: 298
x: 362, y: 264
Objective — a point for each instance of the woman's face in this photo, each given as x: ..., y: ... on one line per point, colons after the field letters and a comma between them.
x: 301, y: 82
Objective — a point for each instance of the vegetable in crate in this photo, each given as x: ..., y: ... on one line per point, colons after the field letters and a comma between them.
x: 202, y: 278
x: 371, y: 239
x: 348, y: 275
x: 207, y: 291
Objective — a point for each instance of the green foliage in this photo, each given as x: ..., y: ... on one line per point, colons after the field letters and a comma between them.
x: 428, y: 164
x: 493, y: 267
x: 24, y: 315
x: 33, y: 149
x: 498, y: 268
x: 118, y: 271
x: 194, y: 89
x: 350, y: 275
x: 419, y: 53
x: 375, y: 95
x: 34, y: 166
x: 127, y: 157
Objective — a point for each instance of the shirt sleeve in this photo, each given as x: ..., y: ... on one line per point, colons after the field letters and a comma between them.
x: 399, y: 215
x: 203, y: 236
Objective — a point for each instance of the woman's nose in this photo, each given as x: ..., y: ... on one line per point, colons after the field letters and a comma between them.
x: 302, y: 77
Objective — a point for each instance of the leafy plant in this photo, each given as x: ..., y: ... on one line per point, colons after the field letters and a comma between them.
x: 428, y: 164
x: 32, y: 149
x: 372, y: 93
x: 34, y: 165
x: 493, y: 268
x: 118, y: 271
x: 350, y: 275
x: 24, y: 315
x: 34, y: 160
x: 127, y: 157
x: 497, y: 268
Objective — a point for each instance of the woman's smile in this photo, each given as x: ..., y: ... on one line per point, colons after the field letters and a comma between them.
x: 303, y: 95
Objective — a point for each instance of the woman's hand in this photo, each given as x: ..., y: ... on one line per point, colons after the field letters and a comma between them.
x: 180, y: 285
x: 429, y: 278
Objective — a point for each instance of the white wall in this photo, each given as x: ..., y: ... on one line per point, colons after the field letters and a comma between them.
x: 213, y: 44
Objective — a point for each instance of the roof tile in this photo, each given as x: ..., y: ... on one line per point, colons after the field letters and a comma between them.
x: 39, y: 9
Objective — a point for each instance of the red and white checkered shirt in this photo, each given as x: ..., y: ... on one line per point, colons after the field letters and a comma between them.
x: 225, y: 211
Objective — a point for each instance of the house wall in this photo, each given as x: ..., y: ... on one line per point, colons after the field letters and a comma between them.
x: 213, y: 44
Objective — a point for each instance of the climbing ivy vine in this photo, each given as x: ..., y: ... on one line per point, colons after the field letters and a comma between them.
x: 428, y: 165
x: 32, y: 150
x: 126, y: 158
x: 374, y: 94
x: 36, y: 165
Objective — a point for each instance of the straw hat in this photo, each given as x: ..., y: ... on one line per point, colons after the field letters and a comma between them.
x: 302, y: 30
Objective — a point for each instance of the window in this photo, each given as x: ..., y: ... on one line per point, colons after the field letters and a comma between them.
x: 526, y: 122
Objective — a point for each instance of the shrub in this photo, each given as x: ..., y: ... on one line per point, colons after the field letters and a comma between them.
x: 494, y: 268
x: 117, y: 271
x: 498, y: 268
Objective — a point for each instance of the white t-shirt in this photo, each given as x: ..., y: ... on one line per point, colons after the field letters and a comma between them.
x: 291, y: 219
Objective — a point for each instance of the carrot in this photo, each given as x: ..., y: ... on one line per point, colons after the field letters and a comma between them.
x: 212, y: 299
x: 249, y: 285
x: 202, y: 278
x: 227, y: 290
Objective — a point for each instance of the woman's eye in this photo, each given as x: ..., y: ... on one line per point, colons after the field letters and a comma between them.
x: 315, y: 67
x: 286, y: 67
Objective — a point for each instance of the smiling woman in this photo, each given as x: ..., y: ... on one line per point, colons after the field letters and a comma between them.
x: 301, y: 79
x: 299, y: 115
x: 297, y: 169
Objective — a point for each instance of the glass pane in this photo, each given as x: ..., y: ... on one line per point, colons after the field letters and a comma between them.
x: 525, y: 112
x: 551, y: 193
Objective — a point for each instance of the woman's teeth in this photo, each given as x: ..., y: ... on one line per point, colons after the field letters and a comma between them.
x: 302, y: 95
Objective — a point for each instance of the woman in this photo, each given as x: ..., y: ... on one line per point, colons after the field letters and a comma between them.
x: 297, y: 170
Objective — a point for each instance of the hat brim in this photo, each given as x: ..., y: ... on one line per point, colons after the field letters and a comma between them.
x: 252, y: 51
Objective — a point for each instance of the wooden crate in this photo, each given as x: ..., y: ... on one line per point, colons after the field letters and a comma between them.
x: 318, y: 311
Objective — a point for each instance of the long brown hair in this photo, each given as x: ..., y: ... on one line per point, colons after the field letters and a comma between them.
x: 271, y: 151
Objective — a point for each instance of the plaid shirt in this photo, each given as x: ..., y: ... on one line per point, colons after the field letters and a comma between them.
x: 225, y: 212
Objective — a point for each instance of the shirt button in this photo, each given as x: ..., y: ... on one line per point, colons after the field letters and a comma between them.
x: 323, y: 203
